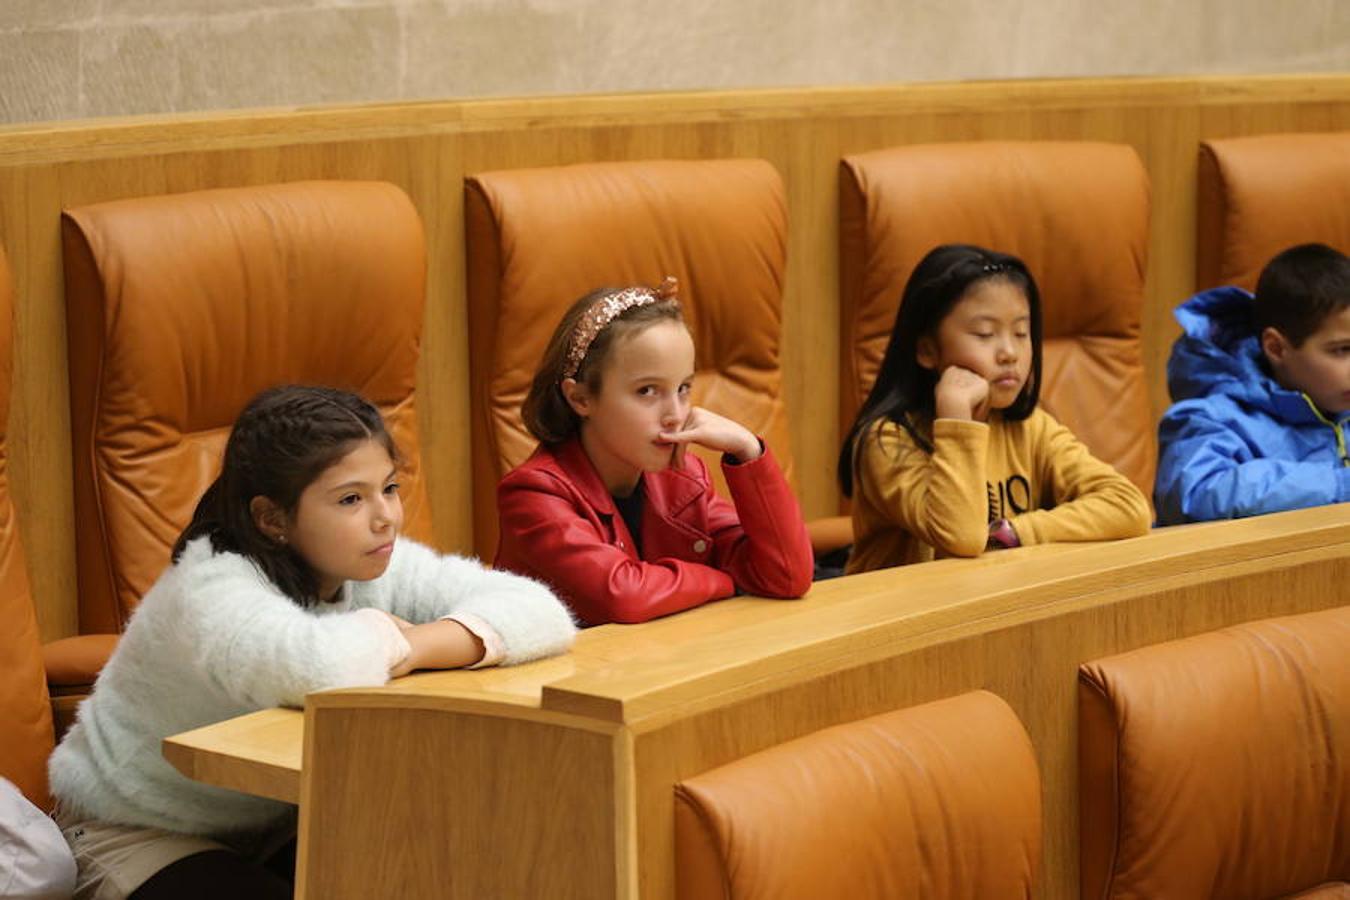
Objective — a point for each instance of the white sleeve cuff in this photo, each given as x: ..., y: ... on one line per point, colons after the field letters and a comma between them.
x: 395, y: 645
x: 493, y: 647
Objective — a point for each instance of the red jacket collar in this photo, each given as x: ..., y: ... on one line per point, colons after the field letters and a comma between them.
x: 669, y: 491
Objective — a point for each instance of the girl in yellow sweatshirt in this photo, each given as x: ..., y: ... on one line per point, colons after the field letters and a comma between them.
x: 949, y: 454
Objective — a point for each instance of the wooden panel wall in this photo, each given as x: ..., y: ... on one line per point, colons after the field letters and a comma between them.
x: 439, y: 788
x: 429, y: 148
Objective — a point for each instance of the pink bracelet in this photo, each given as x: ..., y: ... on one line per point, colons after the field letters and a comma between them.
x: 1002, y: 536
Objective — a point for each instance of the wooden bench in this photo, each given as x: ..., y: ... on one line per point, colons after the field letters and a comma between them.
x: 555, y: 779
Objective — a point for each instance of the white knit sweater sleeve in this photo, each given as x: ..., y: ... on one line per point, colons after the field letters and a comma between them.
x: 262, y: 649
x: 421, y: 585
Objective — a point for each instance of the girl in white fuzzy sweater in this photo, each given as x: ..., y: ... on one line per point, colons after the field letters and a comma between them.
x: 289, y: 579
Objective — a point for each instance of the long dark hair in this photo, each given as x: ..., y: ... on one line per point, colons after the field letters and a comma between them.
x: 904, y: 389
x: 284, y: 439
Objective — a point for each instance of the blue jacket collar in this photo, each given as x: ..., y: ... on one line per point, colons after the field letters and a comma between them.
x: 1219, y: 352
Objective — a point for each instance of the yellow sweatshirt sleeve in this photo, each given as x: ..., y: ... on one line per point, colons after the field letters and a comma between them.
x: 1092, y: 501
x: 939, y: 497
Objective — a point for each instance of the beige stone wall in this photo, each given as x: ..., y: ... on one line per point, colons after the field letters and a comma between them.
x: 66, y: 59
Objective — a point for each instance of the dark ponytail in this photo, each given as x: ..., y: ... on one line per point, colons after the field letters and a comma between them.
x: 284, y: 439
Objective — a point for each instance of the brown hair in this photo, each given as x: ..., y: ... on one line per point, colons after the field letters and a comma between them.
x: 547, y: 414
x: 284, y: 439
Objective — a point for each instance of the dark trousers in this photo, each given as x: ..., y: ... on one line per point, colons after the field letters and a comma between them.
x: 223, y: 875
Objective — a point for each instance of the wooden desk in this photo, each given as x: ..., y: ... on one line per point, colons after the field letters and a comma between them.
x: 554, y: 779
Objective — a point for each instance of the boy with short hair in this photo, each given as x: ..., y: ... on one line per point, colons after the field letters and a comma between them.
x: 1261, y: 394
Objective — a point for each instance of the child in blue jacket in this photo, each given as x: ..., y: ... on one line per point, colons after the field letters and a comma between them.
x: 1261, y: 394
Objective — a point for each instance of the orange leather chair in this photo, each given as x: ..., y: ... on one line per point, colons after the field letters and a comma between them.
x: 940, y: 801
x: 537, y: 239
x: 180, y: 308
x: 1219, y: 765
x: 25, y: 713
x: 1260, y: 195
x: 1076, y: 213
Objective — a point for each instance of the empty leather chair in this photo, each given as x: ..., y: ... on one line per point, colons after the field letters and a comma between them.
x: 1260, y: 195
x: 538, y: 239
x: 1076, y: 213
x: 1219, y: 765
x: 25, y: 713
x: 939, y: 801
x: 182, y: 307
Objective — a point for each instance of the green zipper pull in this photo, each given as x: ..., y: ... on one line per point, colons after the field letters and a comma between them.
x: 1337, y: 429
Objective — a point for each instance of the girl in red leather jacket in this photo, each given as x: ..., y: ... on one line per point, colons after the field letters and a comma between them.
x: 609, y: 510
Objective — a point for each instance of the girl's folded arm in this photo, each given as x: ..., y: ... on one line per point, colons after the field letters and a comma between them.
x: 261, y: 649
x: 761, y: 540
x: 421, y: 586
x: 940, y: 497
x: 1091, y: 500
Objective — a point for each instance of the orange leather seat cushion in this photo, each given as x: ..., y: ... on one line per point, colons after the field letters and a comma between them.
x: 539, y: 239
x: 1076, y: 213
x: 25, y: 709
x: 1218, y: 765
x: 939, y: 800
x: 180, y: 308
x: 76, y: 661
x: 1260, y: 195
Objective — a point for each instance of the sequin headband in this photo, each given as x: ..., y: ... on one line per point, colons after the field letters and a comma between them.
x: 605, y: 310
x: 990, y: 268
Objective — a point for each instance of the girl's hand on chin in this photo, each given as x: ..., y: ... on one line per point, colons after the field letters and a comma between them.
x: 961, y: 394
x: 708, y: 429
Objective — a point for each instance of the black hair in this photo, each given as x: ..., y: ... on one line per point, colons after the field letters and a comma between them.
x: 546, y: 413
x: 1299, y: 288
x: 903, y: 388
x: 285, y: 438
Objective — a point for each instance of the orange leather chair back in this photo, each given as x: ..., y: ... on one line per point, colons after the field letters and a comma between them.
x: 1218, y: 765
x: 939, y: 801
x: 25, y: 710
x: 1260, y: 195
x: 181, y: 308
x: 1076, y: 213
x: 538, y: 239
